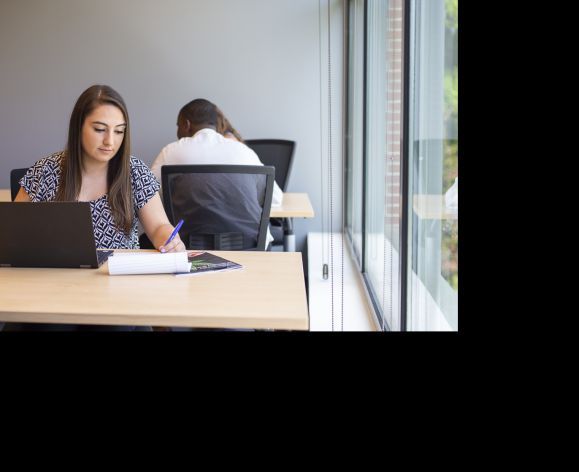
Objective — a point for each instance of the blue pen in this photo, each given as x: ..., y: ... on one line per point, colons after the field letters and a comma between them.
x: 174, y: 233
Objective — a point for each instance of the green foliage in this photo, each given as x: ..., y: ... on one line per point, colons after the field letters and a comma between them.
x: 451, y: 94
x: 449, y: 252
x: 451, y: 7
x: 449, y: 240
x: 450, y: 163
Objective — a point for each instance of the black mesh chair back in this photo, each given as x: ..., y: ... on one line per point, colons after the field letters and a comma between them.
x: 224, y: 207
x: 15, y: 176
x: 278, y: 153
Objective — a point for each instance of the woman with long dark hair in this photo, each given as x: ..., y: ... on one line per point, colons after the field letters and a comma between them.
x: 97, y: 167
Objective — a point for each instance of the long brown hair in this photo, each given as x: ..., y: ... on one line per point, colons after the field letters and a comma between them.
x: 224, y: 126
x: 119, y: 189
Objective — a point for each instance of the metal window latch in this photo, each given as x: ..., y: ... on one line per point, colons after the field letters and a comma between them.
x: 325, y: 271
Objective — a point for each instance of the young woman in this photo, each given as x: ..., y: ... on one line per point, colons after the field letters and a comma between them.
x: 97, y: 167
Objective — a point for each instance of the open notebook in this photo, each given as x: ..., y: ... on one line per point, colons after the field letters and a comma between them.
x: 178, y: 263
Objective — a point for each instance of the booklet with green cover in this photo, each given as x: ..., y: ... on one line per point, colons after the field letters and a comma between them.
x: 206, y: 262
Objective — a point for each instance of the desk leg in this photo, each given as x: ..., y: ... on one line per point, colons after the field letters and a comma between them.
x: 289, y: 238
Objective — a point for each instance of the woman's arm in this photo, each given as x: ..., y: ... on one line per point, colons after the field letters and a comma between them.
x: 22, y: 196
x: 157, y: 226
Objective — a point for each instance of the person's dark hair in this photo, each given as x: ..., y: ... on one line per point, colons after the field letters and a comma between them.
x: 224, y: 127
x: 200, y: 112
x: 119, y: 189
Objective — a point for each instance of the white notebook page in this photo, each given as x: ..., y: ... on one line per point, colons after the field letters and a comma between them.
x: 129, y: 263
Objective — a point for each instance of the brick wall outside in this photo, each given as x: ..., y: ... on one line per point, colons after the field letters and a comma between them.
x: 394, y: 91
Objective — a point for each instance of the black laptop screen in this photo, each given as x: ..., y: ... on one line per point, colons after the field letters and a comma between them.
x: 47, y: 234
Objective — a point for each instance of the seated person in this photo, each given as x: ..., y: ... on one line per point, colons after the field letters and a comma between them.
x: 199, y: 142
x: 97, y: 167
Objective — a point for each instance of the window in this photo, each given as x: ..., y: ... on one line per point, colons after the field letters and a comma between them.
x: 374, y: 132
x: 433, y: 172
x: 355, y: 130
x: 381, y: 222
x: 383, y: 139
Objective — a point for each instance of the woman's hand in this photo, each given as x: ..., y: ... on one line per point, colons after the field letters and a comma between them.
x: 176, y: 245
x: 157, y: 226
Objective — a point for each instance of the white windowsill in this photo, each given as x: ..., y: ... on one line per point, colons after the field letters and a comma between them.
x: 358, y: 315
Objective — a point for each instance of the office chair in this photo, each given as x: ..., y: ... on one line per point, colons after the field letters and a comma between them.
x: 225, y: 207
x: 15, y: 176
x: 280, y: 154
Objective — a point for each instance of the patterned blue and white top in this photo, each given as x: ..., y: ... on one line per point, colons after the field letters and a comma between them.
x: 41, y: 183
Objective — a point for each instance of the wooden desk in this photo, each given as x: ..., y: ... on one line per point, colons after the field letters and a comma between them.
x: 269, y: 293
x: 294, y: 205
x: 432, y: 207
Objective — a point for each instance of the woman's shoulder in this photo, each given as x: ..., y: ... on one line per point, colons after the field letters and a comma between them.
x: 143, y: 182
x: 41, y: 179
x: 138, y: 166
x: 50, y: 162
x: 136, y: 162
x: 140, y: 170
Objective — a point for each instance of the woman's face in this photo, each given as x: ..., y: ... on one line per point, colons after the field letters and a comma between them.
x: 103, y: 132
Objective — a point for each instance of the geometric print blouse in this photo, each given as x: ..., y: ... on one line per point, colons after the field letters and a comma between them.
x: 41, y: 183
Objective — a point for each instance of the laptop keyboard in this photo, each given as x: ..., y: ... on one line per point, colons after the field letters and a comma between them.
x: 102, y: 256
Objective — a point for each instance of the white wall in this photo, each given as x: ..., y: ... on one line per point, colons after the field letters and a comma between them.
x: 264, y: 62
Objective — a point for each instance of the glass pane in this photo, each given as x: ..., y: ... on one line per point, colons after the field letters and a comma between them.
x: 384, y: 134
x: 433, y: 147
x: 354, y: 137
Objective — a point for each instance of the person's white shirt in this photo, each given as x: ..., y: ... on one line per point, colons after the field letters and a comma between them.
x: 207, y: 146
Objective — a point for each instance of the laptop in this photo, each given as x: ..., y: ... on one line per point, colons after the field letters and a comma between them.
x: 48, y: 234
